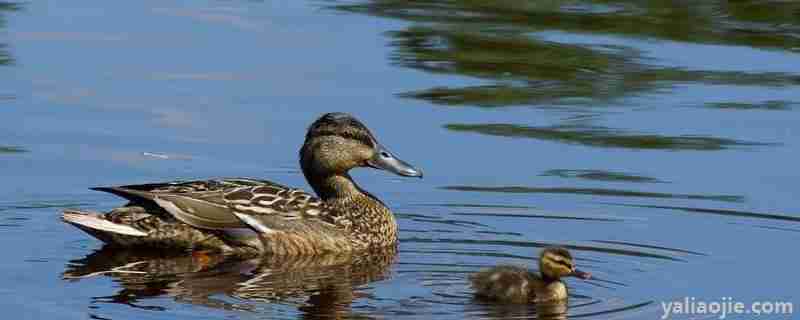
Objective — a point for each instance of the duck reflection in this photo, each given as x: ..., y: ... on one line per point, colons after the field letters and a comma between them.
x: 321, y: 286
x: 552, y: 311
x: 555, y: 310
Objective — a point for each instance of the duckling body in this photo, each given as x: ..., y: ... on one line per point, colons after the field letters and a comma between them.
x: 515, y: 284
x: 250, y: 216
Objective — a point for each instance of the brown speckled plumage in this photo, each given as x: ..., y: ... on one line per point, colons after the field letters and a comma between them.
x: 249, y: 216
x: 163, y: 231
x: 514, y: 284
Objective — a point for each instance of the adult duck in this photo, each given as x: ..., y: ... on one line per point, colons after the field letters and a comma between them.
x: 250, y: 216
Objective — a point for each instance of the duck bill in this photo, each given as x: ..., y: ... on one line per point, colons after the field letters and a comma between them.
x: 386, y: 160
x: 581, y: 274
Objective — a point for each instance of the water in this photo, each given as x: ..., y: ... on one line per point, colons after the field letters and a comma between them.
x: 656, y: 140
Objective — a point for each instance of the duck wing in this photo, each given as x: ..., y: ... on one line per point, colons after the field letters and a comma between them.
x: 228, y: 203
x: 268, y: 208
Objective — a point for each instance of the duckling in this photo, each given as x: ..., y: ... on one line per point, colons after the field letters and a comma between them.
x: 244, y: 216
x: 513, y: 284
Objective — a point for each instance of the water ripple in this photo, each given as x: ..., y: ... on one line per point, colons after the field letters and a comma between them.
x: 651, y: 247
x: 597, y: 192
x: 535, y: 244
x: 535, y: 216
x: 722, y: 212
x: 599, y: 175
x: 596, y: 136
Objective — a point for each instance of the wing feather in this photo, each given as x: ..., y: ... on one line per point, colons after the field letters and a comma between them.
x: 222, y: 203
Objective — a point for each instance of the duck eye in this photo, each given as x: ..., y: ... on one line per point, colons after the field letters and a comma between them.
x: 385, y: 154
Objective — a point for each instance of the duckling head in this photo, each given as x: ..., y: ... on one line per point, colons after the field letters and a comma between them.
x: 555, y: 263
x: 338, y: 142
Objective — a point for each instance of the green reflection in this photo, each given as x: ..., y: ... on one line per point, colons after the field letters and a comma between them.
x: 4, y: 149
x: 5, y: 57
x: 498, y: 41
x: 763, y: 24
x: 597, y: 136
x: 599, y: 175
x: 766, y: 105
x: 527, y: 70
x: 510, y: 47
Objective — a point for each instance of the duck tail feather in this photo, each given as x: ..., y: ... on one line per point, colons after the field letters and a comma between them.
x: 96, y: 225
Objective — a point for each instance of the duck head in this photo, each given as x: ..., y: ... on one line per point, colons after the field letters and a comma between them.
x: 338, y: 142
x: 555, y: 263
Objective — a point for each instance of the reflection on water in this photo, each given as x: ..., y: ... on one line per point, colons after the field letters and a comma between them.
x: 654, y: 138
x: 599, y: 175
x: 766, y: 105
x: 752, y: 23
x: 602, y: 137
x: 6, y: 149
x: 528, y: 70
x: 320, y: 286
x: 512, y: 49
x: 597, y: 192
x: 652, y: 247
x: 534, y: 244
x: 17, y: 214
x: 5, y: 57
x: 545, y: 311
x: 498, y: 41
x: 723, y: 212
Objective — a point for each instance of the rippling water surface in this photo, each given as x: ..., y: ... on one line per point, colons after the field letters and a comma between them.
x: 655, y: 139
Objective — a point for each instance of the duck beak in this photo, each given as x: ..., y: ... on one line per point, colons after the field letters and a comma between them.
x: 580, y: 274
x: 385, y: 160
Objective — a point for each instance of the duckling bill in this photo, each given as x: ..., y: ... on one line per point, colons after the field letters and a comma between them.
x: 514, y: 284
x: 250, y: 216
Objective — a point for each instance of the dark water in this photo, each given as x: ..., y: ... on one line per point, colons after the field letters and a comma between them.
x: 656, y: 139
